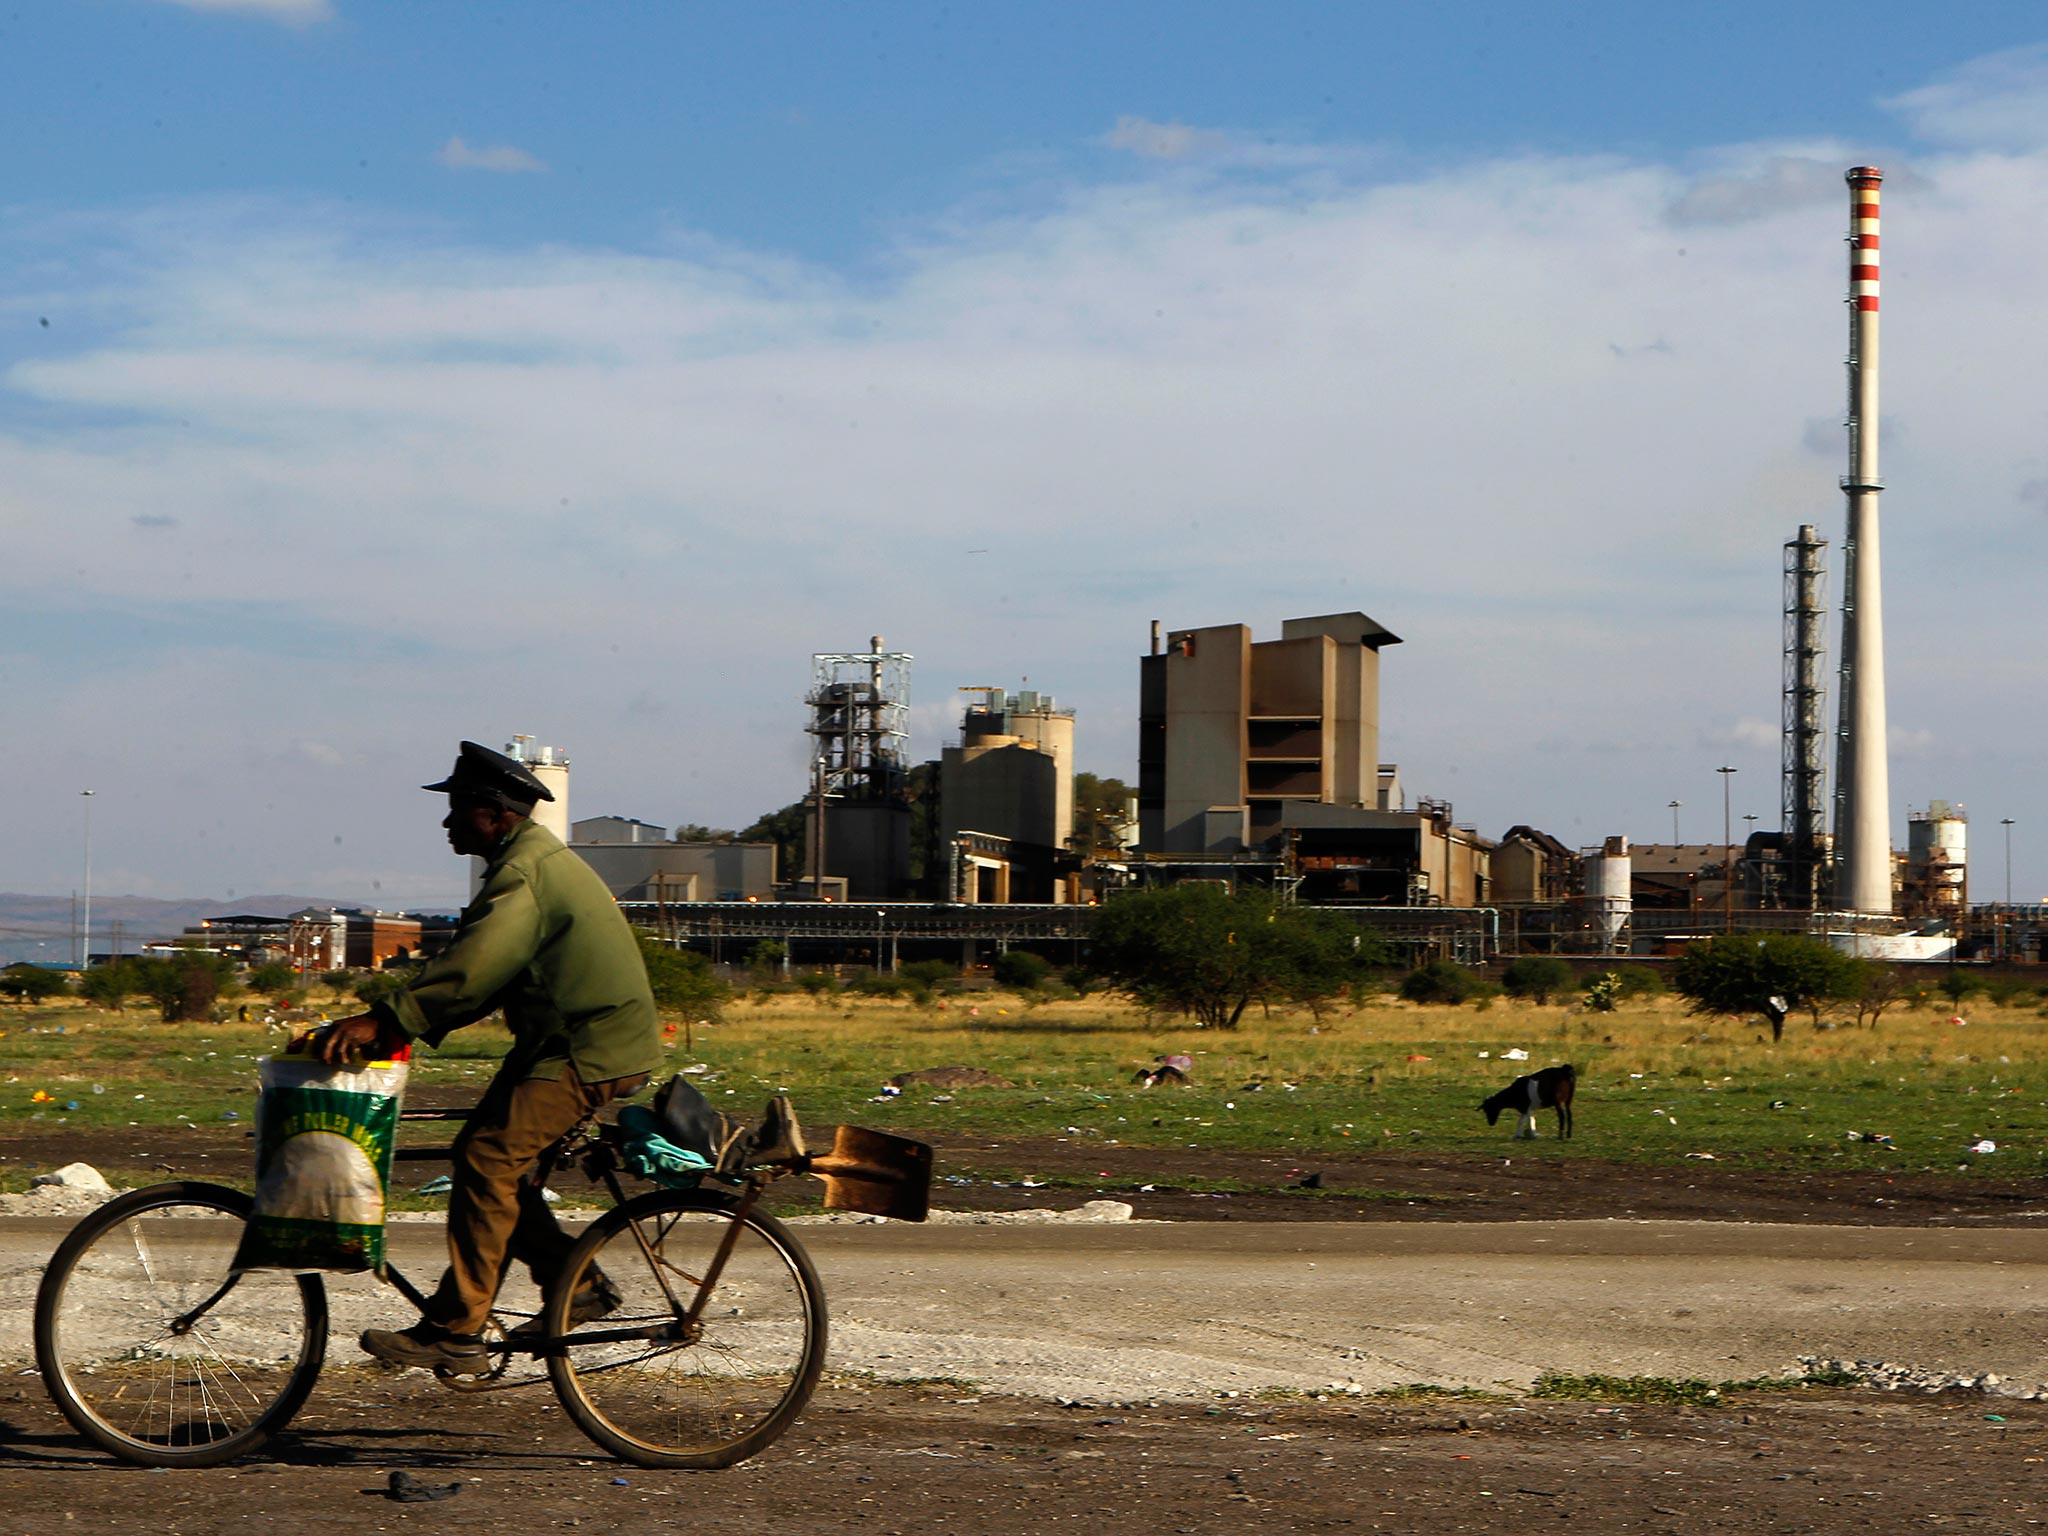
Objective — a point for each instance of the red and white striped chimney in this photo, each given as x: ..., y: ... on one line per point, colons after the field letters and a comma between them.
x: 1863, y: 849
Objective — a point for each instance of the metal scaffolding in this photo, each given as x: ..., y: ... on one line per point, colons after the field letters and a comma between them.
x: 860, y: 709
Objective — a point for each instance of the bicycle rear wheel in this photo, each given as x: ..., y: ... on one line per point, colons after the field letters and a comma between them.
x: 150, y: 1349
x: 661, y: 1385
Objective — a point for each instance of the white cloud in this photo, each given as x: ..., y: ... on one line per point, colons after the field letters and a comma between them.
x: 1162, y: 141
x: 459, y: 156
x: 1764, y: 184
x: 617, y: 498
x: 1999, y: 102
x: 295, y: 13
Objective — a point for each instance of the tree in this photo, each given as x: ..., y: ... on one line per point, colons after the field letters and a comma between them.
x: 1869, y: 987
x: 785, y: 829
x: 186, y: 985
x: 1741, y: 973
x: 1536, y: 977
x: 682, y: 979
x: 1209, y: 954
x: 108, y: 986
x: 272, y: 978
x: 691, y: 832
x: 1101, y: 807
x: 27, y: 983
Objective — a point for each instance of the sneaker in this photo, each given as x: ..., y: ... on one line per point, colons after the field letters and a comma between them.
x: 780, y: 1139
x: 430, y: 1347
x: 596, y: 1299
x: 777, y: 1139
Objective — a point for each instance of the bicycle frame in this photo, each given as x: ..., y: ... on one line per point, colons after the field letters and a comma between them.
x: 601, y: 1164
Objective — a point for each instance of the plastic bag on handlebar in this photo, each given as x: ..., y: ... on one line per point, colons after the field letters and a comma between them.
x: 324, y: 1139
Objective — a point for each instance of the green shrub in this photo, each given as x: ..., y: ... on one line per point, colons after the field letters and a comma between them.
x: 1018, y: 970
x: 2011, y: 992
x: 1640, y: 981
x: 1439, y: 981
x: 1079, y: 980
x: 882, y: 984
x: 273, y: 978
x: 108, y: 986
x: 1536, y: 977
x: 817, y: 984
x: 1957, y: 985
x: 930, y: 973
x: 372, y: 987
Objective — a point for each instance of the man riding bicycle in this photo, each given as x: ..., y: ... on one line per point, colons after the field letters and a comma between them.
x: 544, y: 941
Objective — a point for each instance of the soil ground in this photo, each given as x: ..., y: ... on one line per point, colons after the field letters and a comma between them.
x: 1524, y: 1183
x: 916, y: 1458
x: 907, y: 1460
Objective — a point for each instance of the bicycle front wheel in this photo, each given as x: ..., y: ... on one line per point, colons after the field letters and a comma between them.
x: 688, y: 1369
x: 153, y: 1351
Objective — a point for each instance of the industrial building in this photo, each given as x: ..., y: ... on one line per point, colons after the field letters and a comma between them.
x: 316, y: 939
x: 1006, y: 802
x: 1268, y: 751
x: 858, y: 830
x: 636, y: 866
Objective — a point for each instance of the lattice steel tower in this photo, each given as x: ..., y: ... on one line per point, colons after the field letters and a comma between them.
x: 1804, y: 734
x: 860, y: 708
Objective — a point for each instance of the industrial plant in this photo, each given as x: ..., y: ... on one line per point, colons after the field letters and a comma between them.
x: 1259, y: 764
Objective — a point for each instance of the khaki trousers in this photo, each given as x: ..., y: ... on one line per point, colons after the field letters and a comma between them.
x: 495, y: 1212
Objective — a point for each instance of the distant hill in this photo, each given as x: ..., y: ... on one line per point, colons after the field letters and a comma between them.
x: 42, y: 927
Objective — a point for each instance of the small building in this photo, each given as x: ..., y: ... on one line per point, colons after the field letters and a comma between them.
x: 637, y: 866
x: 1533, y: 866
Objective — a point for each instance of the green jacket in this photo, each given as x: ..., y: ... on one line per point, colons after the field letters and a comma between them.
x: 544, y: 940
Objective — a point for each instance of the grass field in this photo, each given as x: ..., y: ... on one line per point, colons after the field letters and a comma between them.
x: 1655, y: 1084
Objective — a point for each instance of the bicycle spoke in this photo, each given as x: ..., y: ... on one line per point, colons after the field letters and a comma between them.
x: 744, y: 1367
x: 150, y: 1346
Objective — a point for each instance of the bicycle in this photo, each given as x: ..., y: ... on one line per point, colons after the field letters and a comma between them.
x: 160, y: 1355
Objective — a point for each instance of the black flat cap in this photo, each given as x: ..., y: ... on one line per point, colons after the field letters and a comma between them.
x: 491, y: 775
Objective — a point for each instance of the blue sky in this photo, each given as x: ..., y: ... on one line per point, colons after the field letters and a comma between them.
x: 374, y: 375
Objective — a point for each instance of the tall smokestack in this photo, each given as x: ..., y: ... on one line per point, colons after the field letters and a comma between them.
x: 1863, y: 779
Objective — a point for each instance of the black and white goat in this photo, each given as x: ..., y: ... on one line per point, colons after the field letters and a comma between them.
x: 1551, y: 1088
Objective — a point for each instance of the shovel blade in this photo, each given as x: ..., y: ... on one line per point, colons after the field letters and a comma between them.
x: 876, y: 1174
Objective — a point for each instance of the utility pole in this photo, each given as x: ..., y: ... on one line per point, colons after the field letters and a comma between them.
x: 85, y: 944
x: 1727, y: 852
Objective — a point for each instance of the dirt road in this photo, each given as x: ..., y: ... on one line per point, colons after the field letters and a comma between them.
x: 1143, y: 1326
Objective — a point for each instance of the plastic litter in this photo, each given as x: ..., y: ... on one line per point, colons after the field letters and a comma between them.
x: 1514, y: 1055
x: 439, y: 1185
x: 1986, y: 1145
